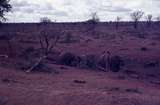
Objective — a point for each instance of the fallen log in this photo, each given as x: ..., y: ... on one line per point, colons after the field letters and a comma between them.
x: 36, y: 64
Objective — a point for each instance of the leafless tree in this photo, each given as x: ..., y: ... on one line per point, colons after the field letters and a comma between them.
x: 47, y: 43
x: 118, y: 19
x: 149, y: 19
x: 136, y: 16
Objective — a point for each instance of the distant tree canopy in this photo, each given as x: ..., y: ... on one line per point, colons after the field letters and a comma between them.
x: 45, y: 20
x: 5, y: 7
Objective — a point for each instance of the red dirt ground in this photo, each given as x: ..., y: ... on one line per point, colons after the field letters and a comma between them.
x: 60, y: 89
x: 133, y: 85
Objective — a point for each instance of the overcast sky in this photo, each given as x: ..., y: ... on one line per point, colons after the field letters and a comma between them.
x: 78, y: 10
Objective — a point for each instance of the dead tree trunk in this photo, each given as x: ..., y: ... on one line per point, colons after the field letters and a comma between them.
x: 47, y: 44
x: 37, y: 63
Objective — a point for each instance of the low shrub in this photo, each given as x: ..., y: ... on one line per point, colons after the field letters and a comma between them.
x: 102, y: 63
x: 68, y: 38
x: 115, y: 63
x: 69, y: 59
x: 29, y: 53
x: 91, y: 61
x: 29, y: 50
x: 144, y: 49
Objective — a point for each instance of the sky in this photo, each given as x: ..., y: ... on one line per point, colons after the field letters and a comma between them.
x: 78, y: 10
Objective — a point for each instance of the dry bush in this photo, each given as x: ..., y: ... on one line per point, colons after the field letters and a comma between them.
x: 68, y: 38
x: 102, y: 63
x: 91, y: 61
x: 69, y: 59
x: 115, y: 63
x: 144, y: 49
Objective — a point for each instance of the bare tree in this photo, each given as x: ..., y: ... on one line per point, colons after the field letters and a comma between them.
x: 47, y: 43
x: 118, y: 19
x: 149, y: 19
x: 136, y: 16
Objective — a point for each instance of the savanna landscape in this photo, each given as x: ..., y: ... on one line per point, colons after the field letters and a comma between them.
x: 80, y: 63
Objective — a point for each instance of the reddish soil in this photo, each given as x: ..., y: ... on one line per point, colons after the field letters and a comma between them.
x: 19, y: 88
x: 135, y: 84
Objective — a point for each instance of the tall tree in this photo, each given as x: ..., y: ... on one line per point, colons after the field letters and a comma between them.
x: 5, y: 7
